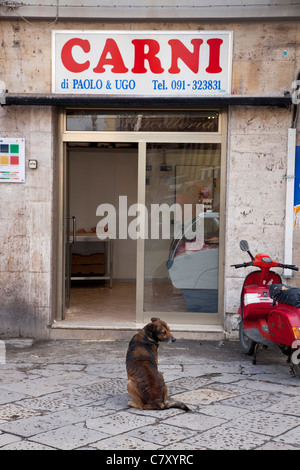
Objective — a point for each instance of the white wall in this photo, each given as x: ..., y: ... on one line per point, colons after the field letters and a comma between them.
x: 100, y: 176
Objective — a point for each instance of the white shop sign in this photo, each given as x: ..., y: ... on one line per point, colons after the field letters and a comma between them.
x: 142, y: 63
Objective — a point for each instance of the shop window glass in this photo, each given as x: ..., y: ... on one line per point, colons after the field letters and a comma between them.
x: 182, y: 247
x: 204, y: 121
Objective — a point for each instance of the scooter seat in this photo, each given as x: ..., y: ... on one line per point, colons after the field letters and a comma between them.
x: 285, y: 294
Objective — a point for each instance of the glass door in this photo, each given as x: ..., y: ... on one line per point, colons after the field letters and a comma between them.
x: 181, y: 252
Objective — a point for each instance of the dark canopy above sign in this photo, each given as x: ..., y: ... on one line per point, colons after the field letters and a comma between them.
x: 142, y: 102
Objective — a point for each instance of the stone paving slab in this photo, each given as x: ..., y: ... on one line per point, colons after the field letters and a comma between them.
x: 6, y: 438
x: 26, y: 445
x: 266, y: 423
x: 72, y: 395
x: 226, y: 437
x: 124, y: 442
x: 162, y: 434
x: 290, y: 437
x: 35, y: 388
x: 56, y: 401
x: 69, y: 437
x: 203, y: 396
x: 195, y: 421
x: 118, y: 423
x: 285, y: 407
x: 33, y: 425
x: 13, y: 411
x: 226, y: 412
x: 8, y: 396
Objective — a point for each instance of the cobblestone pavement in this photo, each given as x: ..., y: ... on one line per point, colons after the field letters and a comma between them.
x: 72, y: 395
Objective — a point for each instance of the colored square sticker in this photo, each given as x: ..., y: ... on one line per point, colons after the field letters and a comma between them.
x: 14, y: 148
x: 14, y: 160
x: 4, y: 160
x: 4, y: 148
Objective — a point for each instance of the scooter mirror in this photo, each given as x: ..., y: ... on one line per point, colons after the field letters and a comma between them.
x: 244, y: 245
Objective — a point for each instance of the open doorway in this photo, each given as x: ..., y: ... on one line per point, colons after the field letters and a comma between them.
x: 101, y: 274
x: 155, y: 160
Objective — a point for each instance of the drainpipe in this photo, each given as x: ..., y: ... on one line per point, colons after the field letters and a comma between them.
x: 290, y: 183
x: 3, y: 92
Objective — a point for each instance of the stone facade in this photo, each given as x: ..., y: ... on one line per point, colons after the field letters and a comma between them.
x: 26, y: 228
x: 266, y: 59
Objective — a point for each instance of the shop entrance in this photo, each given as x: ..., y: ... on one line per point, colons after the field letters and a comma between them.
x: 100, y: 267
x: 142, y: 217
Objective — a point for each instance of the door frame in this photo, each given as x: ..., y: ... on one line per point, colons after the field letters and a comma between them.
x: 141, y: 138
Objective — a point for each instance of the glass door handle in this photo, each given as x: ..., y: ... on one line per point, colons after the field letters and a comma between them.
x: 73, y: 218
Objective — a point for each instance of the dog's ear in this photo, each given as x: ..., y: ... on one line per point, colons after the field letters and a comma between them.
x: 154, y: 319
x: 151, y: 329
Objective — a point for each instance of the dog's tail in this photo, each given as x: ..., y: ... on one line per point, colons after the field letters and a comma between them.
x: 176, y: 404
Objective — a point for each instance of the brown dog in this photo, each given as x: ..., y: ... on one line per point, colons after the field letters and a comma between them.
x: 146, y: 384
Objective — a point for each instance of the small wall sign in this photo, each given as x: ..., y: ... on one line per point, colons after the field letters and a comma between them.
x: 12, y: 160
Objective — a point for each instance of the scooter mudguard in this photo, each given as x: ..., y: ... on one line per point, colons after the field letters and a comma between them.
x: 254, y: 278
x: 281, y: 321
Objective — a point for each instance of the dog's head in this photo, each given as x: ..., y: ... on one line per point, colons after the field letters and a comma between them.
x: 159, y: 331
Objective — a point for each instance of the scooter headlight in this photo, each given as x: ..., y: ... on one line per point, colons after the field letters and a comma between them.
x: 296, y: 331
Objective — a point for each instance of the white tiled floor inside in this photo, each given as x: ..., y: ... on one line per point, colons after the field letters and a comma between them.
x: 95, y: 301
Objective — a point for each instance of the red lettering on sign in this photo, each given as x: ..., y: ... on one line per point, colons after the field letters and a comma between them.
x: 111, y: 48
x: 145, y: 50
x: 67, y: 57
x: 214, y: 55
x: 179, y: 51
x: 141, y: 55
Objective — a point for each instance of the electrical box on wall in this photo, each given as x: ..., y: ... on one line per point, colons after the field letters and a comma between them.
x: 32, y: 164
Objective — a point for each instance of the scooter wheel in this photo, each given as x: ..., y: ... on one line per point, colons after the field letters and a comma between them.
x: 247, y: 345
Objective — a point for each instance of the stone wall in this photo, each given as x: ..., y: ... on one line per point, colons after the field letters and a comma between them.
x: 265, y: 55
x: 266, y: 59
x: 265, y: 62
x: 25, y: 228
x: 257, y: 150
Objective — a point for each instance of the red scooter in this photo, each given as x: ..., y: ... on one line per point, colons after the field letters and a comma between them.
x: 270, y: 311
